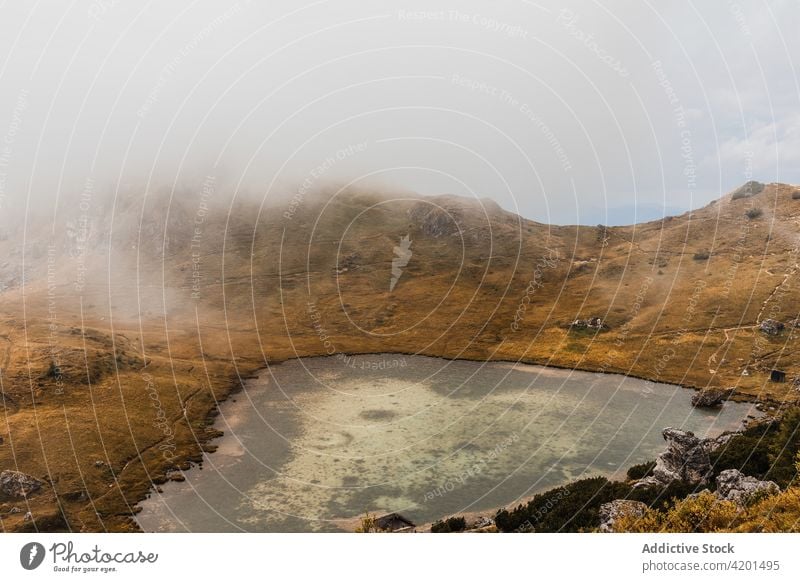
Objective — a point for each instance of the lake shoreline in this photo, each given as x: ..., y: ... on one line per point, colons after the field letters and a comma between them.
x: 243, y: 378
x: 736, y: 397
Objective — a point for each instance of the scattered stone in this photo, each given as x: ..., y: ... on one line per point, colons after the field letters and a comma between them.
x: 17, y: 484
x: 771, y: 327
x: 15, y: 510
x: 176, y: 477
x: 610, y: 512
x: 481, y: 522
x: 733, y: 485
x: 685, y: 459
x: 350, y: 262
x: 711, y: 397
x: 99, y: 463
x: 591, y: 323
x: 28, y: 516
x: 394, y: 522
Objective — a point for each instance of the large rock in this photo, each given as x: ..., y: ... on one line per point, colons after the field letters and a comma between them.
x: 747, y: 190
x: 685, y: 459
x: 434, y: 221
x: 610, y: 512
x: 16, y: 484
x: 711, y: 397
x: 771, y: 327
x: 733, y: 485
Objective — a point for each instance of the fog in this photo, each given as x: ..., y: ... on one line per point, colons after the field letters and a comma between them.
x: 565, y: 112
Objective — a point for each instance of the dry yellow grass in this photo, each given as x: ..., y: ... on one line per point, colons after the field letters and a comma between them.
x: 205, y: 310
x: 778, y: 513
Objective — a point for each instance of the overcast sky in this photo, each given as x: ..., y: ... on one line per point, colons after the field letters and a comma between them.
x: 562, y: 111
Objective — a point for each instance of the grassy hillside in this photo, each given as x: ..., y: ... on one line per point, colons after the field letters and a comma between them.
x: 122, y: 325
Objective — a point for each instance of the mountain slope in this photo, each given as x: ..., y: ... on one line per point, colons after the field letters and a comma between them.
x: 206, y: 289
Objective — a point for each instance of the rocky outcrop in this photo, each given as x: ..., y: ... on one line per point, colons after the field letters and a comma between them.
x: 711, y: 397
x: 16, y: 484
x: 747, y: 190
x: 685, y: 459
x: 434, y: 221
x: 733, y: 485
x: 591, y: 323
x: 610, y: 512
x: 771, y: 327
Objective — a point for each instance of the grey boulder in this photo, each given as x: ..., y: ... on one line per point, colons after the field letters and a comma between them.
x: 17, y: 484
x: 711, y: 397
x: 685, y: 459
x: 733, y: 485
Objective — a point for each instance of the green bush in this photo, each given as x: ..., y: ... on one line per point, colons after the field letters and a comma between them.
x: 641, y: 471
x: 766, y: 451
x: 747, y: 453
x: 576, y: 507
x: 449, y: 525
x: 570, y: 508
x: 754, y: 213
x: 784, y: 448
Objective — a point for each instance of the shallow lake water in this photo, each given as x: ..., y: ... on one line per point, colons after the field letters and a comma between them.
x: 313, y: 443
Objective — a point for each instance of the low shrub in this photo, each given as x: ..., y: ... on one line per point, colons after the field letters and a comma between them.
x: 705, y: 513
x: 641, y: 471
x: 754, y: 213
x: 766, y: 451
x: 575, y: 507
x: 698, y: 514
x: 449, y: 525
